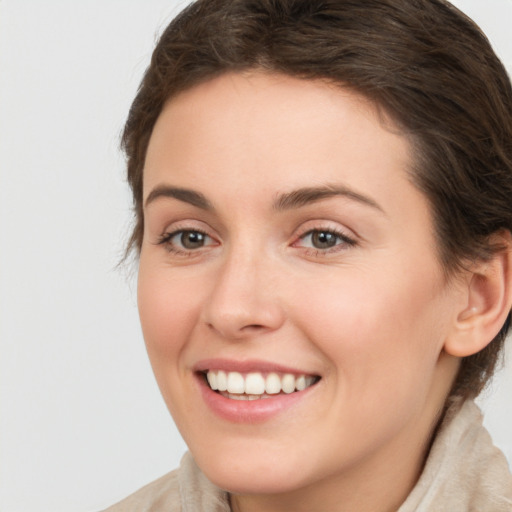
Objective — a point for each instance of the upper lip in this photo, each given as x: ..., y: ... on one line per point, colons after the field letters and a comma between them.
x: 247, y: 366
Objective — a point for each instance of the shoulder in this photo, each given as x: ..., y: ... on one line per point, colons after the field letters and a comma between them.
x: 464, y: 470
x: 183, y: 490
x: 161, y: 494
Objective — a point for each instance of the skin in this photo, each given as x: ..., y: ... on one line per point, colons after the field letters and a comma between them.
x: 370, y: 317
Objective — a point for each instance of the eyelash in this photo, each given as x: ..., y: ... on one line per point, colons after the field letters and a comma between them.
x: 343, y: 240
x: 166, y: 240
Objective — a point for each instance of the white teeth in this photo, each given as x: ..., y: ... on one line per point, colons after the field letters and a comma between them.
x: 288, y: 383
x: 212, y: 380
x: 242, y: 396
x: 236, y: 383
x: 273, y: 384
x: 222, y: 381
x: 300, y: 383
x: 254, y: 385
x: 235, y: 396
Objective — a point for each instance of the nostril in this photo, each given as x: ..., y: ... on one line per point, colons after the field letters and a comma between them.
x: 226, y: 331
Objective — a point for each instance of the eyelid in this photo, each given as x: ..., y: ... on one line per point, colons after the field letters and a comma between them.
x: 326, y: 225
x: 192, y: 226
x: 347, y: 238
x: 186, y: 224
x: 169, y: 235
x: 339, y: 234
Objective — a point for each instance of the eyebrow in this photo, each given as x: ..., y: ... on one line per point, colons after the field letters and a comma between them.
x: 303, y: 196
x: 182, y: 194
x: 287, y: 201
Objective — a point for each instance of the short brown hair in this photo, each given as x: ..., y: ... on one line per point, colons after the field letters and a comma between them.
x: 423, y: 61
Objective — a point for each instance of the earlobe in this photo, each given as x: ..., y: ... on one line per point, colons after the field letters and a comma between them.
x: 489, y: 301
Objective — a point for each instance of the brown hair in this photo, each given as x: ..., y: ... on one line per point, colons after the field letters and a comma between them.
x: 422, y: 61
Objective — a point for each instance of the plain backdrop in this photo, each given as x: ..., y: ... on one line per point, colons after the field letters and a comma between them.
x: 82, y: 423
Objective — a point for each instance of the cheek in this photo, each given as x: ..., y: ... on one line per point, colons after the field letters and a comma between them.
x: 381, y: 331
x: 168, y: 312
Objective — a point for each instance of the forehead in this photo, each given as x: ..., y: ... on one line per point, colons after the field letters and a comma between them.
x: 253, y: 120
x: 258, y: 132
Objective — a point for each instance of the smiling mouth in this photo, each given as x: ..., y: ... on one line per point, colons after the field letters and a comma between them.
x: 256, y: 385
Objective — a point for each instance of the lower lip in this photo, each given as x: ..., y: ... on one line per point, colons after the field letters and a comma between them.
x: 249, y: 411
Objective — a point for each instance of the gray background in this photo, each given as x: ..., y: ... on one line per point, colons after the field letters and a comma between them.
x: 82, y: 423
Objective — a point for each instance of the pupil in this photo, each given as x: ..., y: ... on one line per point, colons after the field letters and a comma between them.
x: 324, y: 239
x: 192, y: 239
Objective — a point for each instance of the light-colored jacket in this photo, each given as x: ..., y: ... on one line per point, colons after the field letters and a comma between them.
x: 464, y: 472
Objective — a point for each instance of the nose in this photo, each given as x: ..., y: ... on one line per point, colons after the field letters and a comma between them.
x: 244, y: 301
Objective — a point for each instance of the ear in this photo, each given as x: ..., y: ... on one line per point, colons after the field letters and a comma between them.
x: 487, y: 301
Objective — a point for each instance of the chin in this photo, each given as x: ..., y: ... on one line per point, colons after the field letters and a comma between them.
x: 246, y: 471
x: 252, y: 480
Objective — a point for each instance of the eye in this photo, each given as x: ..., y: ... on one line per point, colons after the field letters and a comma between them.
x: 185, y: 240
x: 324, y: 239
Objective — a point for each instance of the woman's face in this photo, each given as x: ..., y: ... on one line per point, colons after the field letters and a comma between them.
x: 284, y: 247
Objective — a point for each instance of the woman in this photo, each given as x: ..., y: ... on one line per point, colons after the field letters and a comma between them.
x: 323, y: 220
